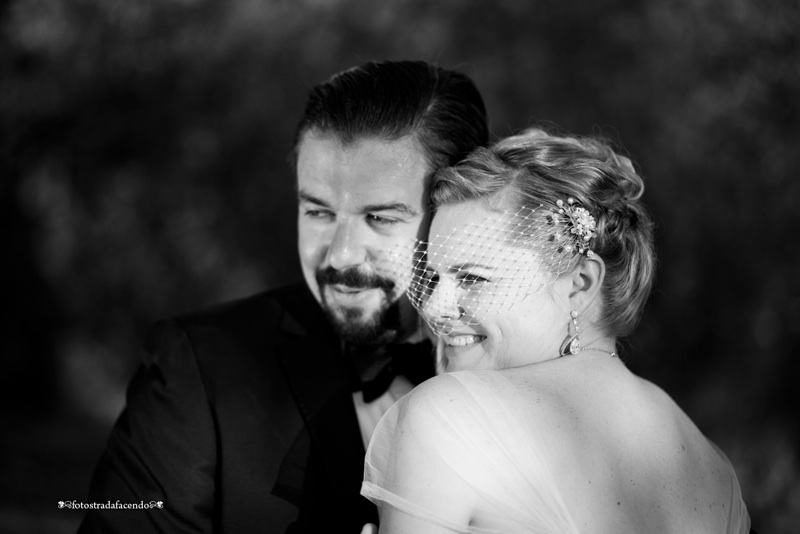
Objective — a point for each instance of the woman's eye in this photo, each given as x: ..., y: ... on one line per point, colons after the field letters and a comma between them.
x: 467, y: 281
x: 424, y: 283
x: 427, y: 277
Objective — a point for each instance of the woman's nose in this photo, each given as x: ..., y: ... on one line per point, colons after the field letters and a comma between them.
x: 443, y: 302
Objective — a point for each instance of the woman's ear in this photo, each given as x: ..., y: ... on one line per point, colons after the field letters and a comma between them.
x: 585, y: 282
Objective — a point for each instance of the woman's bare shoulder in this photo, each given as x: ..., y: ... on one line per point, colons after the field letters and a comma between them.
x: 607, y: 436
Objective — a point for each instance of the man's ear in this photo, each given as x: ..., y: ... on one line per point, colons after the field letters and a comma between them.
x: 585, y: 282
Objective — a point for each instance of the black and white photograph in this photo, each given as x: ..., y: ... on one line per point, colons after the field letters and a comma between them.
x: 400, y: 266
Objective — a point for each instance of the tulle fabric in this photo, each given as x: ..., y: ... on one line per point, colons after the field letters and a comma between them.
x: 738, y: 517
x: 476, y: 434
x: 475, y: 437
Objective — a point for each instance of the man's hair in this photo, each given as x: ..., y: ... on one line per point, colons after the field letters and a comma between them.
x: 389, y: 100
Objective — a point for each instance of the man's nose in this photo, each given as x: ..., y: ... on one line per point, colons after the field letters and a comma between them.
x: 348, y: 247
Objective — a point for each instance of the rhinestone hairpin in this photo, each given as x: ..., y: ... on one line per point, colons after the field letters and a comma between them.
x: 520, y: 253
x: 581, y: 221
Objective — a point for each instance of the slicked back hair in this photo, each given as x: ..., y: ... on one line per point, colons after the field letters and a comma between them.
x: 389, y: 100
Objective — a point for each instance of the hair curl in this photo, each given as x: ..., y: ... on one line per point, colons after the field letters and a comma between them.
x: 537, y: 167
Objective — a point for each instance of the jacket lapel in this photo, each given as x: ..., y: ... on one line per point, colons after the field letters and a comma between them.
x: 319, y: 379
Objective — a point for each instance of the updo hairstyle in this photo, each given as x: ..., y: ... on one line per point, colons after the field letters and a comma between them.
x: 538, y: 168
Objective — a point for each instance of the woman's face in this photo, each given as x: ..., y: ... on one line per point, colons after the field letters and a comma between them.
x: 492, y: 304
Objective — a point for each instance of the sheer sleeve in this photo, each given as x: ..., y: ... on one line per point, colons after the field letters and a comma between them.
x: 452, y: 453
x: 738, y: 521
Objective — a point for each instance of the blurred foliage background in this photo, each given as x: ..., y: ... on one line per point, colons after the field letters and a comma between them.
x: 143, y: 159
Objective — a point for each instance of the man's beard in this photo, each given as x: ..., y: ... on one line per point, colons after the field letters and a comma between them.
x: 357, y: 325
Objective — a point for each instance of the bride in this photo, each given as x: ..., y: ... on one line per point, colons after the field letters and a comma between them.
x: 540, y: 257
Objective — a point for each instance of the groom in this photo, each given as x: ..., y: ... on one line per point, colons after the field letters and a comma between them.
x: 253, y: 416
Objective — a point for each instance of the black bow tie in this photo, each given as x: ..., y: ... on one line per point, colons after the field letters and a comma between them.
x: 377, y: 367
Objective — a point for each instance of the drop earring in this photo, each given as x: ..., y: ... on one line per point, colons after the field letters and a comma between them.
x: 572, y: 344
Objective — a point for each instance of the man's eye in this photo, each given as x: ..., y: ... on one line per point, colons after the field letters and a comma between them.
x: 318, y: 214
x: 381, y: 221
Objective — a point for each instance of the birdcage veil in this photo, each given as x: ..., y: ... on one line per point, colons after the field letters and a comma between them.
x: 484, y: 268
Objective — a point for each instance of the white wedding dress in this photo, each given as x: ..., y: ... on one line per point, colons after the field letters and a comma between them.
x: 477, y: 436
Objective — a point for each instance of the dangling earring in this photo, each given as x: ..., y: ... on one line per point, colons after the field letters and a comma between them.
x: 572, y: 344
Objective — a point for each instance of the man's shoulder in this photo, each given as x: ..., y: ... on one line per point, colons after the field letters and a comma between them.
x: 241, y: 333
x: 266, y: 309
x: 247, y: 325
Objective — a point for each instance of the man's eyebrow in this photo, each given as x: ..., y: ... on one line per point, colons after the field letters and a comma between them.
x: 370, y: 208
x: 307, y: 197
x: 391, y: 206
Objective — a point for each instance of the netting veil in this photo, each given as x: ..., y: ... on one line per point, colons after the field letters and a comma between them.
x: 484, y: 268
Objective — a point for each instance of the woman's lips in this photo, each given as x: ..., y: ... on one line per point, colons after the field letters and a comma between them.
x: 462, y: 340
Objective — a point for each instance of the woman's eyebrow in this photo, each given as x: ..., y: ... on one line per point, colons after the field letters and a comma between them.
x: 467, y: 266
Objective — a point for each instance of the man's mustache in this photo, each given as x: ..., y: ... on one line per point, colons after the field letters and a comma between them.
x: 353, y: 278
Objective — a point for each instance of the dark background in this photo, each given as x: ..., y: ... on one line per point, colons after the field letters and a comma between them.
x: 143, y: 161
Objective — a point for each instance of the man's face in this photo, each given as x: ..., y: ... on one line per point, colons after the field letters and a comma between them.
x: 357, y: 204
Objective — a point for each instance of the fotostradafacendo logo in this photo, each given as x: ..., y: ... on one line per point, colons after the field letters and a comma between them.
x: 117, y: 505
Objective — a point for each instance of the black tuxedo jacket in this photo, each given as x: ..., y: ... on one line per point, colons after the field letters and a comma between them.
x: 240, y: 419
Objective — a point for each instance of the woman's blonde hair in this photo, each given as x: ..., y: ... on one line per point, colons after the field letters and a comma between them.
x: 537, y: 168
